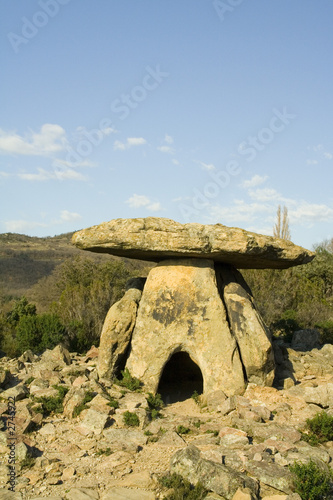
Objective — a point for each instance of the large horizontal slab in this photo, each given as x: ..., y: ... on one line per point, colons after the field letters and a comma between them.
x: 155, y: 239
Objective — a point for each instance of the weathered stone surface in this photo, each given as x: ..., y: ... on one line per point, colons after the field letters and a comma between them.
x: 82, y: 494
x: 57, y: 357
x: 181, y: 310
x: 128, y: 494
x: 305, y: 340
x: 117, y: 331
x: 125, y: 439
x: 252, y: 336
x: 272, y: 475
x: 216, y: 477
x: 155, y: 239
x: 94, y: 421
x: 5, y: 494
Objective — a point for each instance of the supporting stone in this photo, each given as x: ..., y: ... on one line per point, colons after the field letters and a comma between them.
x: 181, y: 310
x: 117, y: 330
x: 252, y: 336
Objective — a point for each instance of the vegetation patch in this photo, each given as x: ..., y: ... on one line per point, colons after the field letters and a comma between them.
x: 131, y: 419
x: 182, y: 488
x: 107, y: 452
x: 155, y: 404
x: 319, y: 429
x: 196, y: 397
x: 52, y: 404
x: 113, y: 403
x: 131, y: 383
x: 83, y: 406
x: 311, y: 482
x: 182, y: 430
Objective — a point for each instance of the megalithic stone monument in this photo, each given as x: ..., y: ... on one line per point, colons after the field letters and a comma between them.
x: 195, y: 308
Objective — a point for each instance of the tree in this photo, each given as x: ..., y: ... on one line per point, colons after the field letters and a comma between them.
x: 281, y: 228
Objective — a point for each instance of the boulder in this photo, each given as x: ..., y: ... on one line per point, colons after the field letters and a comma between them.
x: 117, y: 331
x: 305, y: 340
x: 218, y: 478
x: 58, y: 357
x: 156, y: 239
x: 253, y: 337
x: 181, y: 311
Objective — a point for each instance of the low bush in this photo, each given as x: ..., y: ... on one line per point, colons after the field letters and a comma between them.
x: 311, y: 482
x: 52, y: 404
x: 83, y: 406
x: 131, y: 419
x: 182, y: 430
x: 155, y: 404
x: 182, y: 488
x: 319, y: 429
x: 131, y: 383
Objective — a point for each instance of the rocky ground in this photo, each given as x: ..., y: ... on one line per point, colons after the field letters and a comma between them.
x: 239, y: 447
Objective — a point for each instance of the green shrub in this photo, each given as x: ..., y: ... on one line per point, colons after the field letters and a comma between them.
x: 196, y: 397
x: 155, y: 404
x: 311, y: 482
x: 182, y: 488
x: 131, y: 383
x: 107, y: 452
x: 131, y: 419
x: 182, y: 430
x: 52, y: 404
x: 319, y: 429
x: 39, y: 332
x: 83, y: 406
x: 326, y: 331
x: 113, y: 403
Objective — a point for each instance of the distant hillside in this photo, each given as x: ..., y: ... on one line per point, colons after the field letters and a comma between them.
x: 24, y: 260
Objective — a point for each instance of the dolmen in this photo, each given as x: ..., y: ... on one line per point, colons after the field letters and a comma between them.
x: 194, y: 312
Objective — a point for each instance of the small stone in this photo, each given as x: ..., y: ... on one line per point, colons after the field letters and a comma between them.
x: 128, y: 494
x: 242, y: 494
x: 68, y: 473
x: 82, y: 494
x: 47, y: 430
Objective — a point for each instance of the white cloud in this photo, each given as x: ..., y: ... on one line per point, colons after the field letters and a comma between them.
x: 119, y: 145
x: 166, y: 149
x: 51, y: 139
x: 108, y: 131
x: 155, y: 207
x: 57, y: 174
x: 67, y: 216
x: 308, y: 213
x: 136, y: 141
x: 130, y: 142
x: 256, y: 180
x: 175, y: 162
x: 18, y: 226
x: 312, y: 162
x: 239, y: 212
x: 207, y: 166
x: 328, y: 156
x: 265, y: 194
x: 168, y: 139
x: 138, y: 200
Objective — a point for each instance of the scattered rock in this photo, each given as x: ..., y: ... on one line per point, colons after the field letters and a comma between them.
x: 305, y: 340
x: 216, y: 477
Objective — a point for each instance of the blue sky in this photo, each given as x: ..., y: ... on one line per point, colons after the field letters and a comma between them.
x: 200, y: 111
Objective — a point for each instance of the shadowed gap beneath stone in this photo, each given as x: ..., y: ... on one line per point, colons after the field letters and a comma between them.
x: 181, y: 377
